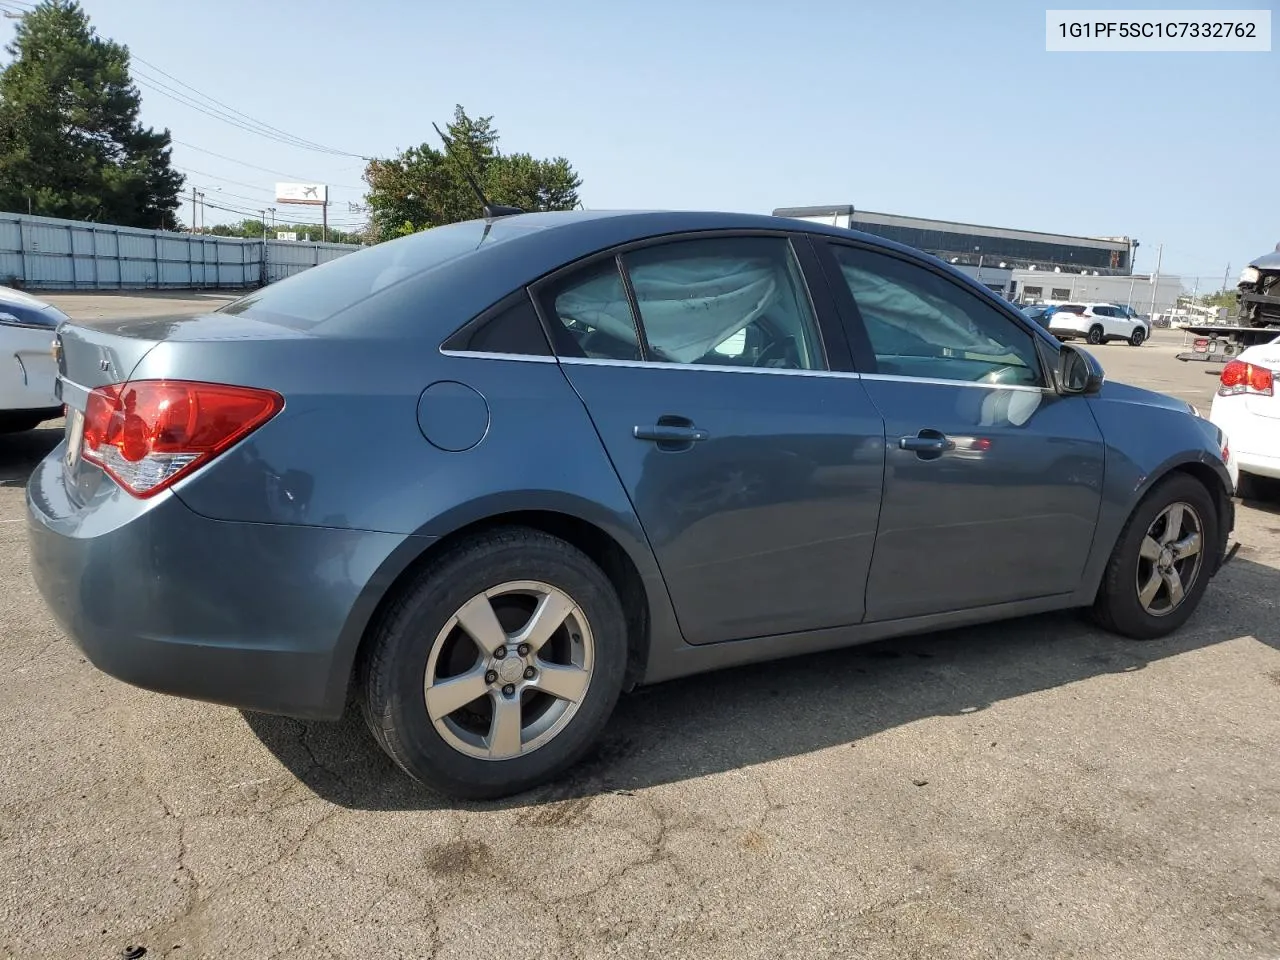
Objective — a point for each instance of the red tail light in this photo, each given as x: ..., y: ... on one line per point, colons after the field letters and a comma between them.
x: 150, y: 433
x: 1241, y: 377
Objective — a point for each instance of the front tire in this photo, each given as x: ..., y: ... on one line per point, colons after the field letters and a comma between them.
x: 497, y: 666
x: 1160, y: 565
x: 1137, y: 337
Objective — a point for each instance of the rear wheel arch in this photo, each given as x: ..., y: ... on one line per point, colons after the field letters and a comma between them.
x: 602, y: 549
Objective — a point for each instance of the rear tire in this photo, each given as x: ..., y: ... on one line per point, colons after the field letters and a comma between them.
x: 1095, y: 335
x: 1119, y: 606
x: 419, y: 646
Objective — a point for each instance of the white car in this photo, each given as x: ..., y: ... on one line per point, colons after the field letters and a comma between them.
x: 27, y: 367
x: 1097, y: 323
x: 1247, y: 410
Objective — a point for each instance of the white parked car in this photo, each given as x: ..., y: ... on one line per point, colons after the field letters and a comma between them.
x: 1098, y: 323
x: 27, y: 367
x: 1247, y: 410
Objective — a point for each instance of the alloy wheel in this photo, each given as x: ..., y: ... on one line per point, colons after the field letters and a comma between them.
x: 1169, y: 559
x: 509, y: 670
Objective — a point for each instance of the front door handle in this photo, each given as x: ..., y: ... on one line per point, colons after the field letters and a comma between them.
x: 927, y: 444
x: 669, y: 433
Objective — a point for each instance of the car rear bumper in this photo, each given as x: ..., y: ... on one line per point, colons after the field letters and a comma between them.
x: 263, y: 617
x: 1259, y: 464
x: 1254, y: 440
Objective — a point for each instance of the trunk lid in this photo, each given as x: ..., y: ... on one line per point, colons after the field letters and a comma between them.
x: 97, y: 353
x: 94, y: 354
x: 1267, y: 356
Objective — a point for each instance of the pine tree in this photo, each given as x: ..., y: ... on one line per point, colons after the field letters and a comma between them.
x: 71, y: 144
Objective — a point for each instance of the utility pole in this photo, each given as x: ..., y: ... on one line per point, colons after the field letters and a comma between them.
x: 324, y: 228
x: 264, y: 226
x: 1155, y: 277
x: 193, y: 210
x: 1226, y: 277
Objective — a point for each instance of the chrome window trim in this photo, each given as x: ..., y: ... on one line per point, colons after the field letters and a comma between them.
x: 713, y: 368
x: 706, y: 367
x: 485, y: 355
x: 941, y: 382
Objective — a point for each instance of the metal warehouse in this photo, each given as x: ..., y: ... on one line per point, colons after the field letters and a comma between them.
x: 970, y: 244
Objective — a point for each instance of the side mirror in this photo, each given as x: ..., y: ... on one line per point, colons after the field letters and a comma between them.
x: 1079, y: 371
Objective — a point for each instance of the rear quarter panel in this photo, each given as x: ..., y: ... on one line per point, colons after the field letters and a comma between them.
x: 347, y: 450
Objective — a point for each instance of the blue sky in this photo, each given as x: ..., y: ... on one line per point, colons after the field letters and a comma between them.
x: 942, y: 109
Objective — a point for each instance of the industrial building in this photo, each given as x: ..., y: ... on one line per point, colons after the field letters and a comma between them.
x: 969, y: 244
x: 1028, y: 266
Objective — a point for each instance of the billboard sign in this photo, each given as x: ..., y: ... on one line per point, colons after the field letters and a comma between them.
x: 286, y: 235
x: 309, y: 193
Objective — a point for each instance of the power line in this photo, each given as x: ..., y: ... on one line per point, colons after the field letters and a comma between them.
x: 293, y: 218
x: 299, y: 217
x: 278, y: 173
x: 214, y: 176
x: 300, y: 141
x: 257, y: 215
x: 231, y: 116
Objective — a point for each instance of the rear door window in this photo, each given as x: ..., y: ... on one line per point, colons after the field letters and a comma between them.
x: 725, y: 301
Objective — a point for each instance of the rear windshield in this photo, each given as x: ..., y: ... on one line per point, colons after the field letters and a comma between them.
x: 1071, y: 308
x: 18, y: 308
x: 319, y: 293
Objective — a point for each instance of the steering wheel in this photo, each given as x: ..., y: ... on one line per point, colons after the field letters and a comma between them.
x: 786, y: 350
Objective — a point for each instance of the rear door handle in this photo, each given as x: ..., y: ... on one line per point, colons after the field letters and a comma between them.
x: 669, y: 433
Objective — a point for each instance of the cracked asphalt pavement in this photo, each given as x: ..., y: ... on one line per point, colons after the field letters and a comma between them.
x: 1026, y: 789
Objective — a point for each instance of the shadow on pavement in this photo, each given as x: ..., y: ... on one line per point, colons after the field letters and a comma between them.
x: 20, y: 453
x: 740, y: 717
x: 1263, y: 495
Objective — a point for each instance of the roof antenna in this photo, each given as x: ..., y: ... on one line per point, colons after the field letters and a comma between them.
x: 491, y: 210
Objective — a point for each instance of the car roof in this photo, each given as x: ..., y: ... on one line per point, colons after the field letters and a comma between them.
x: 465, y: 267
x: 639, y: 224
x: 565, y: 236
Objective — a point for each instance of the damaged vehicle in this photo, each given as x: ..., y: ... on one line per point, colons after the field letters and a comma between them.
x: 1258, y: 299
x: 1256, y: 320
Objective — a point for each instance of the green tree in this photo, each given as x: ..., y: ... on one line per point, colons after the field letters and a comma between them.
x: 252, y: 229
x: 71, y: 144
x: 426, y: 187
x: 1223, y: 298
